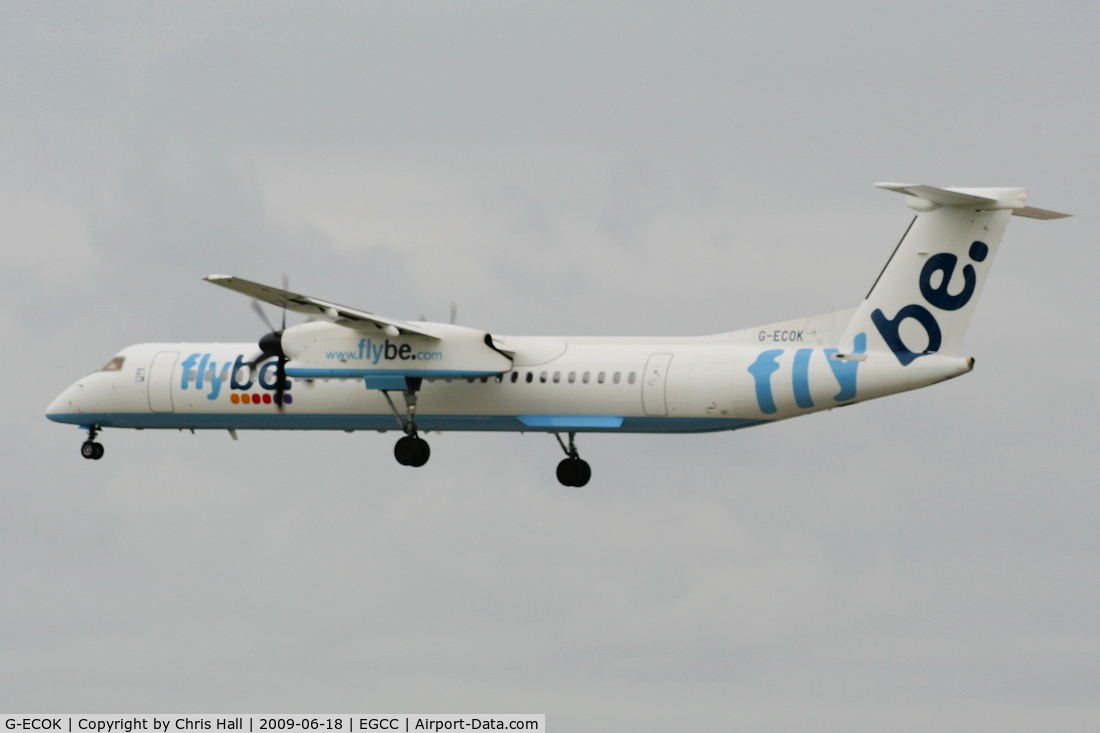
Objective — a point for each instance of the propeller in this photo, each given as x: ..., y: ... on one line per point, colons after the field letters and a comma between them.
x: 260, y: 312
x: 271, y: 344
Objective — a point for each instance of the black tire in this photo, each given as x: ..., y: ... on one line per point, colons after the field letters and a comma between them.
x: 98, y: 451
x: 421, y: 453
x: 87, y: 450
x: 568, y: 472
x: 404, y: 451
x: 584, y: 473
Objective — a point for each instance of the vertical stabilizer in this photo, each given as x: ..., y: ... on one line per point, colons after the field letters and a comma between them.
x: 924, y: 298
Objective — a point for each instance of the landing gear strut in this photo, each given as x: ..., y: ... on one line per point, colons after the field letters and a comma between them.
x: 411, y: 450
x: 573, y: 470
x: 90, y: 449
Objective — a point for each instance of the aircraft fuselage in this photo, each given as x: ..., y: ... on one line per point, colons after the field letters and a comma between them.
x: 594, y: 385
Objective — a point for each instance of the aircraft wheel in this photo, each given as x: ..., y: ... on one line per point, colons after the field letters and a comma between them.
x: 410, y: 451
x: 403, y: 451
x: 568, y: 472
x: 574, y: 472
x: 584, y: 472
x: 91, y: 450
x: 421, y: 452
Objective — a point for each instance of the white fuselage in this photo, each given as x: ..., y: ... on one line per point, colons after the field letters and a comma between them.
x: 658, y: 385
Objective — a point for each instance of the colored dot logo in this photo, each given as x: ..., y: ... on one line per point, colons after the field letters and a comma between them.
x: 256, y: 399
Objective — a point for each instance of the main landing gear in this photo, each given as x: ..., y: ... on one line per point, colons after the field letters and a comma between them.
x: 90, y: 449
x: 411, y: 450
x: 573, y: 470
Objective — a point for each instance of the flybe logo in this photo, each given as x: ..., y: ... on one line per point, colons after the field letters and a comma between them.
x: 935, y: 277
x: 201, y: 372
x: 844, y: 371
x: 374, y: 353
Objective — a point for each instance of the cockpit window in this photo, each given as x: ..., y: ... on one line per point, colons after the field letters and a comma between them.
x: 113, y: 365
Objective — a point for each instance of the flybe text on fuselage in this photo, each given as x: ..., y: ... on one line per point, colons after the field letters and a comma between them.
x: 845, y: 373
x: 200, y: 371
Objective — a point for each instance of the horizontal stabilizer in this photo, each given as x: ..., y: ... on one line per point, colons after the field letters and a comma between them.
x: 979, y: 198
x: 1032, y: 213
x: 942, y: 196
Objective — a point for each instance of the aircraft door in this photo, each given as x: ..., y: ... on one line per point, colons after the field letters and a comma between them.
x: 654, y: 381
x: 160, y: 381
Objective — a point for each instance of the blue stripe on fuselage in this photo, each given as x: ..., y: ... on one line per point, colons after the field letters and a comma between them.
x: 343, y: 373
x: 497, y: 423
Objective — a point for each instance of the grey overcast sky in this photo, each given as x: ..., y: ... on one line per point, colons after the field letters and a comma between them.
x: 929, y: 561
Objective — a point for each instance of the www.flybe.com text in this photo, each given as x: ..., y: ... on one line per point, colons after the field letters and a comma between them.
x: 374, y: 353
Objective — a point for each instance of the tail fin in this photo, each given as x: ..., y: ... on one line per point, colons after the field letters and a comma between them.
x: 924, y: 298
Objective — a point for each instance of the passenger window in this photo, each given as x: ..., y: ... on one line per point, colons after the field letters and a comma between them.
x: 557, y: 377
x: 515, y: 376
x: 572, y: 377
x: 600, y: 378
x: 542, y: 378
x: 615, y: 379
x: 585, y: 377
x: 631, y: 377
x: 114, y: 365
x: 530, y: 377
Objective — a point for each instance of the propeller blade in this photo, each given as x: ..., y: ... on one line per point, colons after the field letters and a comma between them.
x: 260, y: 312
x: 286, y: 286
x: 251, y: 363
x: 280, y: 383
x: 271, y: 345
x: 454, y: 312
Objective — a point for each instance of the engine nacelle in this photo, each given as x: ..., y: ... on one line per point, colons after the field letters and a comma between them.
x: 321, y: 350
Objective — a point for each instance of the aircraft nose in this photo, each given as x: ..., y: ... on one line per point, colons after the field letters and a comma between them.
x: 64, y: 407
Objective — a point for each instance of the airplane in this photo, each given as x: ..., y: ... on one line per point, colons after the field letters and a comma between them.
x: 348, y: 369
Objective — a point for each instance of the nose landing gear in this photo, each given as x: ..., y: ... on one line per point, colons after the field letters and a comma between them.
x: 90, y: 449
x: 573, y: 470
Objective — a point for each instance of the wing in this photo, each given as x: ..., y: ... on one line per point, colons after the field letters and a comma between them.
x: 339, y: 314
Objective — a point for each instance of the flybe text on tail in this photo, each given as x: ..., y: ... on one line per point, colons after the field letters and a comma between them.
x: 935, y: 280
